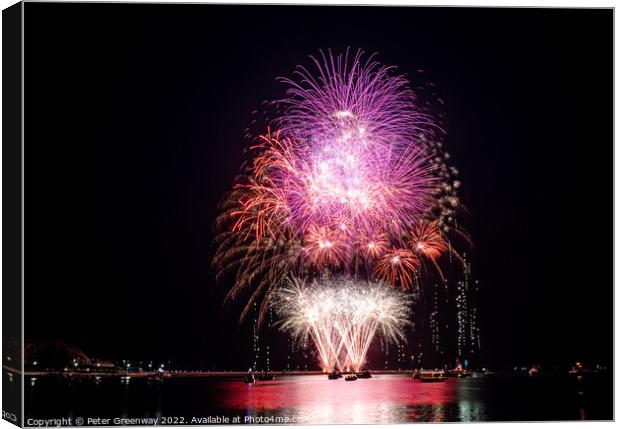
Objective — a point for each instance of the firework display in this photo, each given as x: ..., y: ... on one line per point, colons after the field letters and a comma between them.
x: 349, y: 178
x: 305, y: 214
x: 341, y: 316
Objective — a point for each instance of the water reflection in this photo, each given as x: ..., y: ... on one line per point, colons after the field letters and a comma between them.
x: 316, y: 400
x: 382, y: 399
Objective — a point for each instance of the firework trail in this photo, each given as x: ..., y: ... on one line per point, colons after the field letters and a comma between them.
x: 348, y: 177
x: 341, y: 316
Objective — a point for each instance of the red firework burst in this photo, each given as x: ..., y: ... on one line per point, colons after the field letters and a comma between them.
x: 398, y: 266
x: 324, y: 247
x: 372, y: 245
x: 426, y: 240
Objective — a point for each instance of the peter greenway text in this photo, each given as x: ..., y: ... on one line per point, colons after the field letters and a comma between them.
x: 154, y: 421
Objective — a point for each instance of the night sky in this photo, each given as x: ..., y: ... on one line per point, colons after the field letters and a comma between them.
x: 135, y: 116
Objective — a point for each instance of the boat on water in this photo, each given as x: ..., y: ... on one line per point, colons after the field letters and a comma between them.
x: 334, y: 375
x: 432, y: 376
x: 365, y: 373
x: 350, y: 377
x: 249, y: 379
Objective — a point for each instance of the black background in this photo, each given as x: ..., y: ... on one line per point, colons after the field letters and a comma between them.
x: 134, y: 130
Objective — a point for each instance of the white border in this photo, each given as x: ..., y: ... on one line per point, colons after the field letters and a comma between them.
x: 454, y: 3
x: 559, y: 4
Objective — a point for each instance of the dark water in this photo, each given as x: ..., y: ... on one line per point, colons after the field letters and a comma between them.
x: 314, y: 399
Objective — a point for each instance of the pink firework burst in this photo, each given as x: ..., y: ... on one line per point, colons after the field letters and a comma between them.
x: 347, y: 96
x: 350, y: 177
x: 349, y: 152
